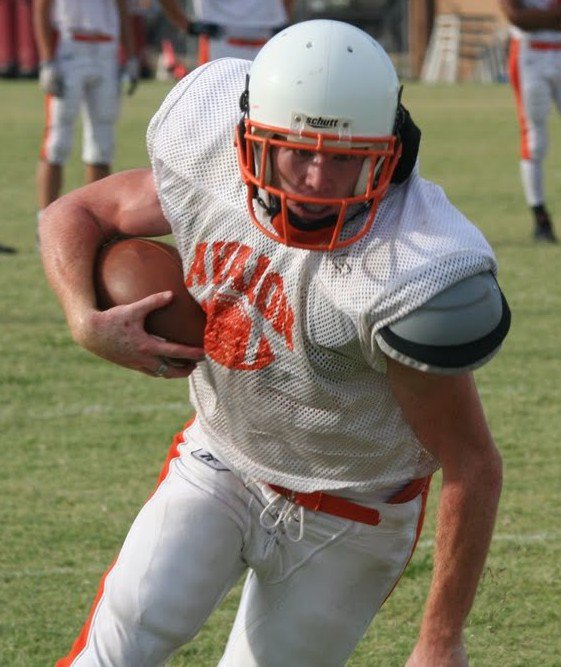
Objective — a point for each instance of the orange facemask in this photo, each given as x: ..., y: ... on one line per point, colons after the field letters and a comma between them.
x: 356, y: 212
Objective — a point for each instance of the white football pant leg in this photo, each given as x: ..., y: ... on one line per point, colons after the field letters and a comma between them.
x: 62, y: 112
x: 101, y: 106
x: 308, y: 603
x: 180, y: 558
x: 536, y: 106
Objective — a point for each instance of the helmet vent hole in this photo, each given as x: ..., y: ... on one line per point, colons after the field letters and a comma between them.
x: 350, y: 49
x: 309, y: 45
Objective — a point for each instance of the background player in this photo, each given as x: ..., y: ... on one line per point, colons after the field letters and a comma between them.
x: 245, y: 26
x: 342, y: 329
x: 535, y: 75
x: 78, y: 44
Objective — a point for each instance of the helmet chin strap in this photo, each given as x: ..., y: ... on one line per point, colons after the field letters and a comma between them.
x: 410, y: 138
x: 301, y: 224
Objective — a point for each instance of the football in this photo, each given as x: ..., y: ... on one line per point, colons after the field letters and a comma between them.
x: 128, y: 270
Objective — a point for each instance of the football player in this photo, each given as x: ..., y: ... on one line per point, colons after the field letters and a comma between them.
x: 78, y: 44
x: 348, y: 303
x: 535, y: 77
x: 230, y: 28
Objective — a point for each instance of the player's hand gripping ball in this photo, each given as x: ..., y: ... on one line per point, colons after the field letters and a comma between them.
x: 128, y: 270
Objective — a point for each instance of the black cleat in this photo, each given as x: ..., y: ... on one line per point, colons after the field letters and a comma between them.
x: 544, y: 234
x: 7, y: 249
x: 543, y: 229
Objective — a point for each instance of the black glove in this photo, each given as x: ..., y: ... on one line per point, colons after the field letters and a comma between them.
x: 197, y: 28
x: 130, y: 75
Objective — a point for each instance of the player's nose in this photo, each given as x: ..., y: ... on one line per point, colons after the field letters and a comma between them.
x: 319, y: 176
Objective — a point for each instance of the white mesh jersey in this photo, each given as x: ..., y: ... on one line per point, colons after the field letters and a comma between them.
x: 536, y: 35
x: 241, y: 13
x: 293, y: 390
x: 91, y: 16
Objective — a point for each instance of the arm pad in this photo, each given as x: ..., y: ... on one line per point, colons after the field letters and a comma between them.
x: 456, y: 331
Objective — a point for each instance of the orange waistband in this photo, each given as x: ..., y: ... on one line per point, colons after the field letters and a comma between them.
x: 545, y: 46
x: 91, y: 37
x: 337, y: 506
x: 240, y: 41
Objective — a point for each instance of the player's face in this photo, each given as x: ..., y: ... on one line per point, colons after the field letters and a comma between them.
x: 318, y: 175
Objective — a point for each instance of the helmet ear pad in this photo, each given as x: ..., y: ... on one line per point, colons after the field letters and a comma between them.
x: 409, y: 136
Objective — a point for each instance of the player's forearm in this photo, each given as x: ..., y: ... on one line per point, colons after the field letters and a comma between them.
x: 44, y: 33
x: 127, y: 33
x: 466, y: 518
x: 73, y: 227
x: 69, y: 241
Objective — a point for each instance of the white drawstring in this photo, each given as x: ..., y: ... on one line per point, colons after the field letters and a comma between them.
x: 271, y: 517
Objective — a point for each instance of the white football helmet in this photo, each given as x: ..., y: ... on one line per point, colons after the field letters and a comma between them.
x: 327, y: 87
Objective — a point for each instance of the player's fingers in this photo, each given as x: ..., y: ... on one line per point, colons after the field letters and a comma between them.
x: 179, y: 353
x: 152, y: 302
x: 170, y: 369
x: 183, y: 371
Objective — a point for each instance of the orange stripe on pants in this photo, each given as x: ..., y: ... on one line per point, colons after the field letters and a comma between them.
x: 514, y: 76
x: 420, y: 522
x: 46, y: 130
x: 82, y: 638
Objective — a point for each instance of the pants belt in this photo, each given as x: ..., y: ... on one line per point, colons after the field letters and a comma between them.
x: 318, y: 501
x: 240, y: 41
x: 545, y: 46
x: 91, y: 37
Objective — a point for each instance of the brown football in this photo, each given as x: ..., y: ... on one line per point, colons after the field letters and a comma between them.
x: 130, y: 269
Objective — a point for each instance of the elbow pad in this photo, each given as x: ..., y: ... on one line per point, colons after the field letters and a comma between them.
x: 456, y: 331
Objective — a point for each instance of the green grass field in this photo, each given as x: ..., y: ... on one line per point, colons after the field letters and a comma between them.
x: 82, y: 440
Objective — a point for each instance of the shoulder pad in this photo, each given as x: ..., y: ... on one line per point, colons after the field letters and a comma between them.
x: 457, y: 330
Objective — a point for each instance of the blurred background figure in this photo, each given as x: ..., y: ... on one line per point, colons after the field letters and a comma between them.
x: 172, y: 42
x: 144, y: 15
x: 140, y: 12
x: 245, y: 26
x: 78, y: 44
x: 535, y: 76
x: 222, y: 28
x: 18, y: 51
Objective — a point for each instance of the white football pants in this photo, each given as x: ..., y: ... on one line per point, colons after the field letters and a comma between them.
x: 91, y: 85
x: 535, y: 76
x: 315, y: 581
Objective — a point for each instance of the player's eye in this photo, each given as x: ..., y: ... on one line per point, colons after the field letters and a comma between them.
x: 302, y: 153
x: 344, y: 157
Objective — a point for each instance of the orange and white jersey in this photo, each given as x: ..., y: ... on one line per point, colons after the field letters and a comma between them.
x: 293, y: 391
x: 545, y: 36
x: 237, y: 15
x: 97, y: 17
